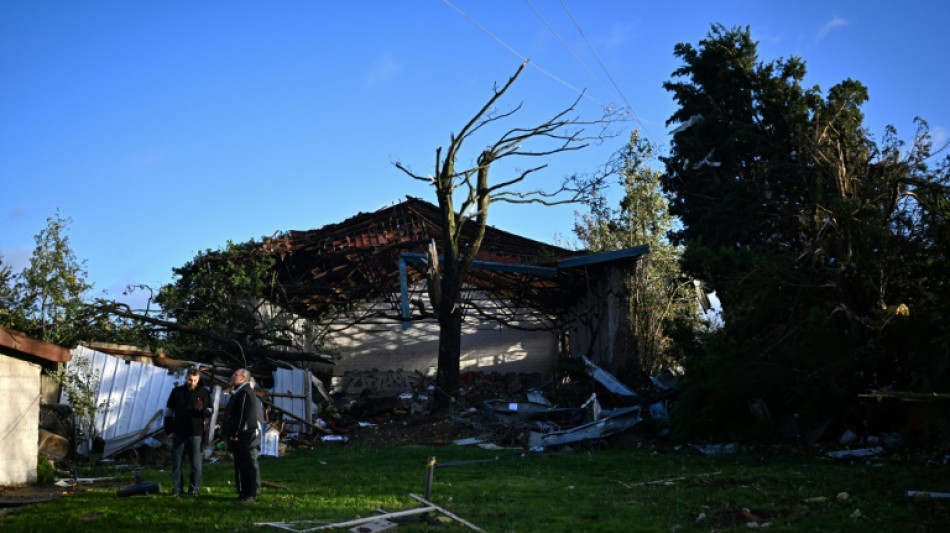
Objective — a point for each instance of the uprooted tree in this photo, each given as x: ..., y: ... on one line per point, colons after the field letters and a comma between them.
x: 465, y: 194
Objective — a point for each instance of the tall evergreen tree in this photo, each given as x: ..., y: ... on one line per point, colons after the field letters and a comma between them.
x: 803, y: 225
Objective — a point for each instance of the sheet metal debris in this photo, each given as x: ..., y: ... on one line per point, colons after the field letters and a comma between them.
x: 528, y: 410
x: 608, y: 380
x: 130, y: 398
x: 612, y: 421
x: 861, y: 452
x: 927, y: 494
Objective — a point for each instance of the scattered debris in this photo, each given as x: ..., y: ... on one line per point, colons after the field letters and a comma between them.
x: 716, y: 449
x: 668, y: 481
x: 927, y: 494
x: 754, y: 519
x: 446, y: 513
x: 612, y: 422
x: 379, y: 526
x: 139, y: 487
x: 861, y: 452
x: 502, y: 410
x: 271, y: 484
x: 608, y: 380
x: 429, y: 507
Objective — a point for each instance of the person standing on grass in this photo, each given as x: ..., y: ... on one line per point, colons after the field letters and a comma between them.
x: 188, y: 407
x: 243, y: 430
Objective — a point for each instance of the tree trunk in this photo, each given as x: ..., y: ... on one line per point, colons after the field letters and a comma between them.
x: 450, y: 353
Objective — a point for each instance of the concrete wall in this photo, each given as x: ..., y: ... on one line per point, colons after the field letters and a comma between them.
x: 385, y: 345
x: 487, y: 346
x: 19, y: 420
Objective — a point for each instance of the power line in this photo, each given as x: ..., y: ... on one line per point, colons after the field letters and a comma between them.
x: 601, y: 63
x: 524, y: 58
x: 567, y: 47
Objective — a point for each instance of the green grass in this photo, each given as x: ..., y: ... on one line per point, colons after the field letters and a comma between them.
x: 577, y: 491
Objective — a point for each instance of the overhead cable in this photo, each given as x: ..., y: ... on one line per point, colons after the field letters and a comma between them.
x: 566, y: 46
x: 602, y: 66
x: 524, y: 58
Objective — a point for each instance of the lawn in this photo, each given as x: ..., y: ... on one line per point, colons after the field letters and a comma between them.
x: 580, y: 490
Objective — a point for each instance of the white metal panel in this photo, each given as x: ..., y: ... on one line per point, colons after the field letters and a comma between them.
x: 292, y: 393
x: 131, y: 398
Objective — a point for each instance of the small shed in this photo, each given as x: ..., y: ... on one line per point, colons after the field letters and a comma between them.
x: 21, y: 364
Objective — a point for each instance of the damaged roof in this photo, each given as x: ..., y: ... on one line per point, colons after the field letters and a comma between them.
x: 18, y: 344
x: 358, y: 259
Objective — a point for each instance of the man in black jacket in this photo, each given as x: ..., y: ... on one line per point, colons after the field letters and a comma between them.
x: 243, y: 429
x: 188, y: 407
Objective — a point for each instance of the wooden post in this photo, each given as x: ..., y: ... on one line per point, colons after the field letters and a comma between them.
x: 430, y: 470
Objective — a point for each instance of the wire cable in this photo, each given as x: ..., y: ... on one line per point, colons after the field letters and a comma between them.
x: 601, y: 63
x: 567, y: 47
x: 524, y: 58
x: 629, y: 108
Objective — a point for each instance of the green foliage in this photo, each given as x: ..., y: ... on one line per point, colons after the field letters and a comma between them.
x: 80, y: 382
x: 45, y: 470
x: 812, y: 234
x: 227, y: 302
x: 658, y: 293
x: 45, y: 300
x: 8, y: 301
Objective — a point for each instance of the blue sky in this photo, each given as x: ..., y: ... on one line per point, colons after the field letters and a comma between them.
x: 164, y: 128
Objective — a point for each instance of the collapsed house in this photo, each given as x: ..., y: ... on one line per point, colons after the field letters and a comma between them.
x: 529, y: 301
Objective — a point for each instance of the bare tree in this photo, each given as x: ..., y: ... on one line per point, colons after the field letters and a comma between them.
x: 474, y: 191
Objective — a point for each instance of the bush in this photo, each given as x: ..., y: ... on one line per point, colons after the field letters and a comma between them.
x: 45, y: 470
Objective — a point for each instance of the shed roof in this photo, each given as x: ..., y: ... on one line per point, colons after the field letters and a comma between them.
x: 18, y: 344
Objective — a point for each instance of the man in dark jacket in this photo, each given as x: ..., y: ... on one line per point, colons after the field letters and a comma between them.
x: 243, y: 429
x: 188, y: 407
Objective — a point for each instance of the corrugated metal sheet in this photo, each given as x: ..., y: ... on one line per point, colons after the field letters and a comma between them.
x: 292, y: 393
x: 131, y: 398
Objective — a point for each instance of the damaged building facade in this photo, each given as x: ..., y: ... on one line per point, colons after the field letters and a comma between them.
x: 527, y: 301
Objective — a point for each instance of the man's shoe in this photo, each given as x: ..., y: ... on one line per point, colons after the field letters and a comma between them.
x: 176, y: 493
x: 194, y: 493
x: 246, y: 499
